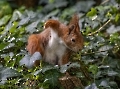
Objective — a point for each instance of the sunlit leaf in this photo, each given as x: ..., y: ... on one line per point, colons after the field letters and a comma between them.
x: 92, y: 12
x: 117, y: 17
x: 3, y: 45
x: 5, y: 19
x: 13, y: 28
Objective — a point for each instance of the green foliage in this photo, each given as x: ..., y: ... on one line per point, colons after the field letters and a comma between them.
x: 5, y: 8
x: 92, y: 12
x: 97, y: 65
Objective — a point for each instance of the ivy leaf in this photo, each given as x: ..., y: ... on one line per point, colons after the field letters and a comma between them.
x: 29, y: 60
x: 113, y: 83
x: 32, y: 27
x: 16, y: 15
x: 61, y: 3
x: 5, y: 8
x: 6, y: 73
x: 104, y: 83
x: 81, y: 5
x: 114, y: 37
x: 5, y: 19
x: 117, y: 17
x: 48, y: 67
x: 91, y: 13
x: 10, y: 45
x: 34, y: 57
x: 92, y: 86
x: 31, y: 14
x: 113, y: 29
x: 53, y: 13
x: 13, y: 28
x: 67, y: 66
x: 24, y: 21
x: 51, y: 78
x: 25, y: 60
x: 8, y: 26
x: 112, y: 73
x: 104, y: 49
x: 93, y: 69
x: 3, y: 45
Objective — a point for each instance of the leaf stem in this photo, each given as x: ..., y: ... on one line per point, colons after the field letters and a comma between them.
x: 99, y: 28
x: 94, y: 78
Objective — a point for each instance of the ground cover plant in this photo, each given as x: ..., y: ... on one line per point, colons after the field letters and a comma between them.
x: 96, y: 66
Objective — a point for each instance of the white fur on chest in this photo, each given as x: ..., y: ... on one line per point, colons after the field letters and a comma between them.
x: 55, y: 49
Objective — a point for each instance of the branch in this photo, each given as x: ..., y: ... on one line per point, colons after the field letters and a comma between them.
x: 90, y: 34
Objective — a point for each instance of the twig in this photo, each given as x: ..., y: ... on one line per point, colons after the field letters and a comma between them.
x: 104, y: 1
x: 99, y: 28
